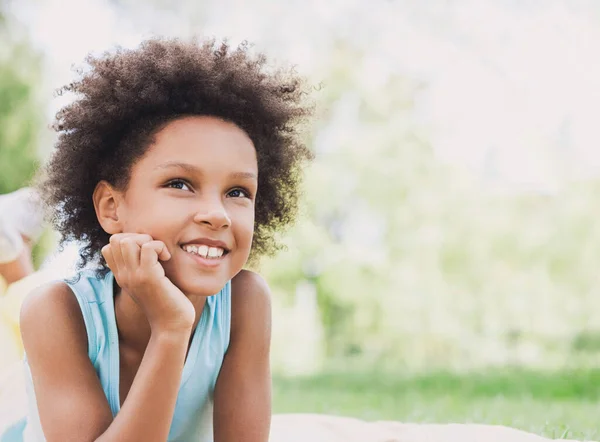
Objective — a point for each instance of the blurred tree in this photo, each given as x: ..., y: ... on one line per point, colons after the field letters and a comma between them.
x: 416, y: 262
x: 20, y: 110
x: 367, y: 194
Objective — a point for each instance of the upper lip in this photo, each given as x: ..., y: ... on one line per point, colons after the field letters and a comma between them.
x: 208, y: 242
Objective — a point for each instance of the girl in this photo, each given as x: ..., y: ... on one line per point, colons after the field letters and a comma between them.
x: 176, y: 163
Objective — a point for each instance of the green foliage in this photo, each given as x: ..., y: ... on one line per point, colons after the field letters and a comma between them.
x: 416, y: 262
x: 20, y: 112
x: 586, y: 341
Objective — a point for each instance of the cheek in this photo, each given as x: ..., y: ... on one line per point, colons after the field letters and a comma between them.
x: 248, y: 235
x: 244, y: 228
x: 158, y: 223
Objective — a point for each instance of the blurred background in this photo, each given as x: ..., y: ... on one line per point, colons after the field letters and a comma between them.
x: 444, y: 267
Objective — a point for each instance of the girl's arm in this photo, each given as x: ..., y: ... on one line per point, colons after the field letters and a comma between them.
x: 70, y: 400
x: 71, y: 403
x: 243, y: 390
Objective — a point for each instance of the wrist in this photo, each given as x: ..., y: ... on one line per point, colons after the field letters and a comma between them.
x: 176, y: 323
x: 172, y: 332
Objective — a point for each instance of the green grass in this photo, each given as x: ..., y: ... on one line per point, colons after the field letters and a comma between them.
x: 563, y: 405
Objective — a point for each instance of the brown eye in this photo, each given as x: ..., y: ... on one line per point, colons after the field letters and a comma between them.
x: 238, y: 193
x: 178, y: 184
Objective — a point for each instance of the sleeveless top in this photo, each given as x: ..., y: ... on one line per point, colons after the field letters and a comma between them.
x: 192, y: 419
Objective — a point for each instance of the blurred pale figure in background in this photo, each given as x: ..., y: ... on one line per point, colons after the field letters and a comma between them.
x: 21, y: 224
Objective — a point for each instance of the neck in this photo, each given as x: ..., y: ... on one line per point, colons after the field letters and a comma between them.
x: 132, y: 324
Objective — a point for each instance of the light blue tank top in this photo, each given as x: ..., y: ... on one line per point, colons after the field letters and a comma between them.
x: 192, y: 420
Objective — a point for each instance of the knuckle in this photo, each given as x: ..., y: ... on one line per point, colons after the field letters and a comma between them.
x: 147, y: 245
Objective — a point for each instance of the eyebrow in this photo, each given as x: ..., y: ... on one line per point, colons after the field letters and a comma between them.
x: 195, y: 170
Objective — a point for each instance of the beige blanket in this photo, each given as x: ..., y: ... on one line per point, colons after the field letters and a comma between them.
x: 323, y: 428
x: 311, y: 427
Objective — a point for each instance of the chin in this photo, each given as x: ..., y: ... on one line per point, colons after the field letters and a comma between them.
x: 201, y: 286
x: 194, y: 280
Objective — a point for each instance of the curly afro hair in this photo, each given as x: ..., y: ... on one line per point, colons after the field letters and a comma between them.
x: 123, y: 98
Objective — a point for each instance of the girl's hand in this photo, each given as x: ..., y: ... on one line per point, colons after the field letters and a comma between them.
x: 135, y: 262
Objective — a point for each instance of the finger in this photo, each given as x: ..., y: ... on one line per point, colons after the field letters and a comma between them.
x: 130, y: 251
x: 164, y: 254
x: 115, y: 247
x: 138, y: 238
x: 152, y: 252
x: 116, y: 239
x: 108, y: 257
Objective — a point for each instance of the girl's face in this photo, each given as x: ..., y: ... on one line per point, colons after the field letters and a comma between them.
x: 194, y: 189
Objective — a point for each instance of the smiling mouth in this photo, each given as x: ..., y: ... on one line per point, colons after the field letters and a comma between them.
x: 205, y: 251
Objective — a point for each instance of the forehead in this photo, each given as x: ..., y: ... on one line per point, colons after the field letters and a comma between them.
x: 205, y: 142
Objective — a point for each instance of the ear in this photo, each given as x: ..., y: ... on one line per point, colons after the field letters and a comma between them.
x: 106, y: 202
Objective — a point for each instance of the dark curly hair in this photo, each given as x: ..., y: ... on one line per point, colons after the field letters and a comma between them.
x: 125, y: 97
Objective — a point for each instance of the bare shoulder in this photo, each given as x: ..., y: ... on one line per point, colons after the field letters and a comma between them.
x: 249, y: 290
x: 250, y: 283
x: 250, y: 300
x: 69, y: 396
x: 48, y: 311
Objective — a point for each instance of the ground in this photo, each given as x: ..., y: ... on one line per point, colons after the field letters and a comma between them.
x: 558, y: 405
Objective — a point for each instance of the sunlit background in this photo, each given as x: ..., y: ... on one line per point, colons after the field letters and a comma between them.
x: 444, y: 267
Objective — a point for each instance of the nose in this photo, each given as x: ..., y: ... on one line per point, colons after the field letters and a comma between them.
x: 213, y: 215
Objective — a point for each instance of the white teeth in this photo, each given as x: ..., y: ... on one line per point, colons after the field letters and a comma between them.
x: 204, y: 251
